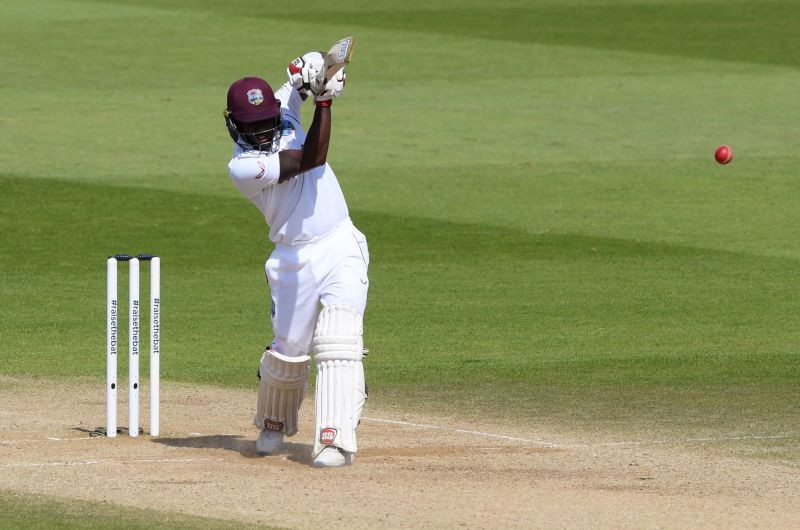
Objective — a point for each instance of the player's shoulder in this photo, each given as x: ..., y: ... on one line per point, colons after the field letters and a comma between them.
x: 237, y: 151
x: 290, y: 114
x: 245, y: 154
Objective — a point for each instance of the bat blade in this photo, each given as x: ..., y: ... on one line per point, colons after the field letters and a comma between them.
x: 337, y: 57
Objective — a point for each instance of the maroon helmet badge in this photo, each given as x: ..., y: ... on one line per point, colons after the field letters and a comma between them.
x: 255, y: 96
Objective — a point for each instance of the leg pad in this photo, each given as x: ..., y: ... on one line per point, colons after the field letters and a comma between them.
x: 284, y: 381
x: 340, y: 390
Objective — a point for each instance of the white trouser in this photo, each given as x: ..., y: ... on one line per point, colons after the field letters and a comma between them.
x: 332, y: 270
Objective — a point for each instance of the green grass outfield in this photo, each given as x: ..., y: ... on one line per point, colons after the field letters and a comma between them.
x: 29, y: 512
x: 551, y: 240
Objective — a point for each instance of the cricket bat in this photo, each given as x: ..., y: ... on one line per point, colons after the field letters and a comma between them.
x: 337, y: 57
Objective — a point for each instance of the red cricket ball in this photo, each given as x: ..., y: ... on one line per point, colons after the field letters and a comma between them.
x: 723, y: 154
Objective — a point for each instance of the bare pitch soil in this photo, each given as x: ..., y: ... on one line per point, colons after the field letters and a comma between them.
x: 432, y: 474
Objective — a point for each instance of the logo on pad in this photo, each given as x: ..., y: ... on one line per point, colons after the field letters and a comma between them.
x: 327, y: 436
x: 273, y: 425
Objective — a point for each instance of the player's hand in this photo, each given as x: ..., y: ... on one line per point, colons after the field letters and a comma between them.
x: 333, y: 88
x: 303, y: 71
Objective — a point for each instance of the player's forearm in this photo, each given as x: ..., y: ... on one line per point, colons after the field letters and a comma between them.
x: 315, y: 149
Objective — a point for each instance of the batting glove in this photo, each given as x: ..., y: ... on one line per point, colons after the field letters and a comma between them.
x: 332, y: 89
x: 303, y: 71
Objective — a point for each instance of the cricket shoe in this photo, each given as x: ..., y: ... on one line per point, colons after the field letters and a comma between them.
x: 334, y: 457
x: 269, y: 442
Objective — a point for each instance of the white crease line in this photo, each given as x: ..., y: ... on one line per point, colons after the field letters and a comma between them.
x: 570, y: 446
x: 93, y: 438
x: 542, y: 443
x: 98, y: 462
x: 463, y: 431
x: 48, y: 439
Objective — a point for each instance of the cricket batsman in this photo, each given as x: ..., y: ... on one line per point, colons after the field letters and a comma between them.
x: 317, y: 271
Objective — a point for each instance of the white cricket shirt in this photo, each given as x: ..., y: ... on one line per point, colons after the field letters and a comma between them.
x: 302, y: 209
